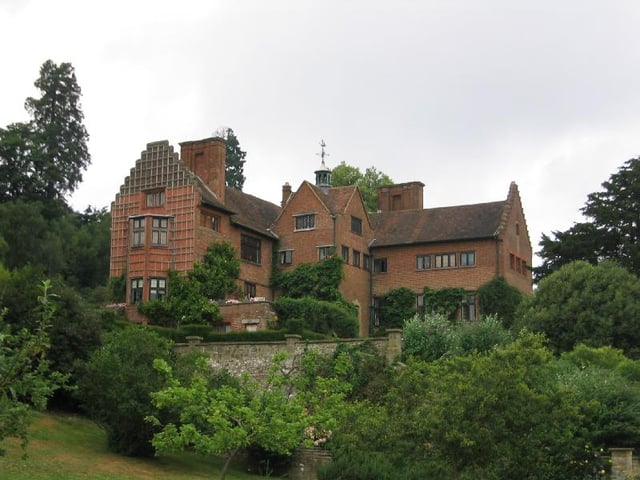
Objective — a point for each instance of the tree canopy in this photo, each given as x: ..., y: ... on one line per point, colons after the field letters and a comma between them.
x: 611, y: 229
x: 598, y: 305
x: 44, y: 158
x: 234, y: 173
x: 368, y: 182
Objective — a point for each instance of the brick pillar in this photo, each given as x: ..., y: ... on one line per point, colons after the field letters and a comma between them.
x: 621, y: 463
x: 292, y: 341
x: 394, y: 344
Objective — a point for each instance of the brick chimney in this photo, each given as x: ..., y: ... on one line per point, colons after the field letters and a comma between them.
x: 286, y: 193
x: 207, y: 159
x: 402, y: 196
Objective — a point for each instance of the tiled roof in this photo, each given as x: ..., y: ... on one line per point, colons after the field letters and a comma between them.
x: 336, y: 198
x: 251, y: 212
x: 463, y: 222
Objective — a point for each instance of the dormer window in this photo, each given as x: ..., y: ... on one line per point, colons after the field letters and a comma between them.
x: 305, y: 222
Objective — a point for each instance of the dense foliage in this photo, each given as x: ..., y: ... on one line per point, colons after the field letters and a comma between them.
x: 44, y: 159
x: 444, y: 301
x: 611, y: 229
x: 367, y: 182
x: 331, y: 318
x: 319, y: 280
x: 235, y: 160
x: 26, y: 380
x: 278, y: 416
x: 191, y: 296
x: 598, y: 305
x: 499, y: 298
x: 435, y: 336
x: 396, y: 306
x: 116, y: 385
x: 501, y: 414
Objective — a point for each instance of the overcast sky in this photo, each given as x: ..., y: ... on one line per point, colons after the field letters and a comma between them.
x: 465, y: 96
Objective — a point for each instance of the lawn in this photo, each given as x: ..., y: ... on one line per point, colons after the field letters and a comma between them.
x: 69, y: 447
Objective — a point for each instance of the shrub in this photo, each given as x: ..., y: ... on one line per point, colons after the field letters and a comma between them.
x: 319, y: 316
x: 397, y: 306
x: 429, y: 338
x: 499, y: 298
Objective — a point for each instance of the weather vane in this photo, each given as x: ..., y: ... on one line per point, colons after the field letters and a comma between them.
x: 322, y: 152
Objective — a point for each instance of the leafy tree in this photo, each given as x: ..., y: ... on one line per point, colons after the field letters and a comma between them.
x: 216, y: 273
x: 18, y: 177
x: 499, y: 298
x: 608, y: 385
x: 612, y: 229
x: 26, y: 381
x: 235, y: 160
x: 368, y: 182
x: 116, y: 385
x: 397, y: 305
x: 597, y: 305
x: 221, y: 421
x: 467, y: 417
x: 60, y: 138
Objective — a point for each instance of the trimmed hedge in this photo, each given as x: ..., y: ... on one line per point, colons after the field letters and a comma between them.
x: 319, y: 316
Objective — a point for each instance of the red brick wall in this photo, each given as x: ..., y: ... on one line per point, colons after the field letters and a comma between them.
x: 516, y: 243
x: 402, y: 272
x: 240, y: 315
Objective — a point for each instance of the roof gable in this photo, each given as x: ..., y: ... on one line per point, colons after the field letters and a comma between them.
x: 251, y: 212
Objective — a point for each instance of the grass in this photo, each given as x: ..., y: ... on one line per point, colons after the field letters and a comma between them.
x: 70, y: 447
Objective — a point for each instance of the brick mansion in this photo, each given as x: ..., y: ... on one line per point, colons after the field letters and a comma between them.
x: 172, y: 206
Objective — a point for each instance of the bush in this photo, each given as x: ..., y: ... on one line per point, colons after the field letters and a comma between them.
x: 116, y: 384
x: 397, y: 306
x: 429, y: 338
x: 499, y: 298
x: 319, y: 316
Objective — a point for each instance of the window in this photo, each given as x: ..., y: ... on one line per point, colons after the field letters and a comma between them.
x: 367, y: 262
x: 345, y: 254
x: 250, y: 249
x: 324, y: 252
x: 249, y: 289
x: 155, y: 199
x: 136, y: 290
x: 378, y: 303
x: 159, y: 231
x: 286, y: 257
x: 423, y: 262
x: 446, y: 260
x: 468, y: 308
x: 517, y: 229
x: 137, y: 238
x: 215, y: 223
x: 356, y: 258
x: 356, y: 225
x: 380, y: 265
x: 157, y: 288
x: 467, y: 259
x: 305, y: 222
x: 420, y: 304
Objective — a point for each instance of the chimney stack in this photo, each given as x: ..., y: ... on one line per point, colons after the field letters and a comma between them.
x: 286, y: 193
x: 207, y: 159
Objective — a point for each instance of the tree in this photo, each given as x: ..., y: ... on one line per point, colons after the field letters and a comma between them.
x: 221, y: 421
x: 116, y: 385
x: 60, y: 138
x: 235, y: 160
x: 368, y: 183
x: 26, y: 382
x: 612, y: 229
x: 597, y: 305
x: 467, y: 417
x: 499, y: 298
x: 397, y: 305
x: 18, y: 178
x: 216, y: 274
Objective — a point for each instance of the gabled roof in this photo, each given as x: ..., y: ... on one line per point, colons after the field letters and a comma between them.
x: 251, y: 212
x: 462, y: 222
x: 336, y: 199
